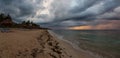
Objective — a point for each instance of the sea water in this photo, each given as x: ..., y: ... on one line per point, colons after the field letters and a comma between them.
x: 103, y: 43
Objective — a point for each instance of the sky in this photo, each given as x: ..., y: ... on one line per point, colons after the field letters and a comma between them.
x: 65, y: 14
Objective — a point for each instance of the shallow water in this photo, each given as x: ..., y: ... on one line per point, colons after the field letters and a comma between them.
x: 104, y: 43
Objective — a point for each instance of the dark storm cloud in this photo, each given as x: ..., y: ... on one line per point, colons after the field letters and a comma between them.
x: 18, y: 9
x: 90, y: 11
x: 62, y: 13
x: 97, y: 9
x: 83, y: 5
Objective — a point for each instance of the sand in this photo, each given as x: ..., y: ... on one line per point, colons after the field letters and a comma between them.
x: 20, y: 43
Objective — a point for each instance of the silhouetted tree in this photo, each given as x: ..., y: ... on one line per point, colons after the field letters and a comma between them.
x: 2, y: 16
x: 8, y: 17
x: 6, y: 21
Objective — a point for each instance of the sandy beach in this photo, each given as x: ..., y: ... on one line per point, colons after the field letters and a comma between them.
x: 20, y: 43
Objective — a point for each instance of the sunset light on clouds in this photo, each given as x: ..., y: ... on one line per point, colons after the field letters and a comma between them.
x: 110, y: 25
x: 70, y: 14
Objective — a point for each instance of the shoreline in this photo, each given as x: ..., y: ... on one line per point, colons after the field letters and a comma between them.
x: 74, y: 46
x: 99, y: 49
x: 34, y: 43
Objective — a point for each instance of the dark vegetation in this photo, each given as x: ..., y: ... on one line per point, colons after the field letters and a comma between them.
x: 6, y: 22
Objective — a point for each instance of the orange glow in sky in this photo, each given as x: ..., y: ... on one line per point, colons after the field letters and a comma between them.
x: 81, y: 27
x: 113, y: 24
